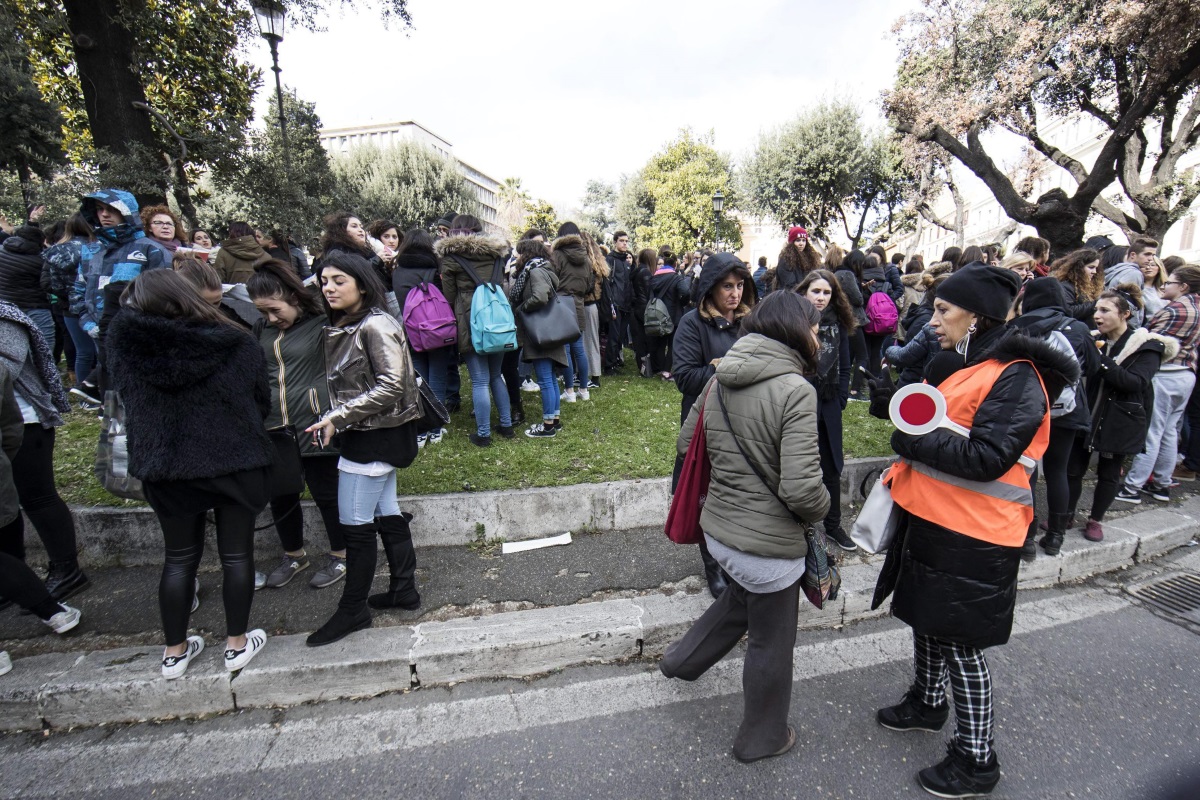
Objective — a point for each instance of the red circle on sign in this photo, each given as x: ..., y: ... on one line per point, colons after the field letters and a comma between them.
x: 917, y: 409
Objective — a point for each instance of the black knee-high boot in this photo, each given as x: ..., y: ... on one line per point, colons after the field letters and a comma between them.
x: 352, y: 613
x: 717, y: 580
x: 402, y: 560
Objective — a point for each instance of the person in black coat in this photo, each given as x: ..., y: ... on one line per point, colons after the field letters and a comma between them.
x: 194, y: 386
x: 955, y: 581
x: 675, y: 290
x: 723, y: 294
x: 640, y: 276
x: 1042, y: 313
x: 616, y: 301
x: 21, y: 278
x: 1122, y: 398
x: 832, y: 382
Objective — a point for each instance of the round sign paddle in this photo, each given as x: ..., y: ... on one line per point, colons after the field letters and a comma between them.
x: 917, y: 409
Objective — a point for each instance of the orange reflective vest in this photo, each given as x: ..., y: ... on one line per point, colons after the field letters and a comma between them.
x: 998, y: 511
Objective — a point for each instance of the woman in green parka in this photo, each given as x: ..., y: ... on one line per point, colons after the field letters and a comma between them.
x: 534, y: 287
x: 291, y: 334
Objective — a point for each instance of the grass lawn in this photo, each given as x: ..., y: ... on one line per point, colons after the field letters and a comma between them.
x: 627, y: 430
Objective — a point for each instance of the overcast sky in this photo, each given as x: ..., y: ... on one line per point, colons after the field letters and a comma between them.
x: 557, y: 93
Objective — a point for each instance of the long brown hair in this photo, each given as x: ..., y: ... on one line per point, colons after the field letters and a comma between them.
x: 838, y: 302
x: 1070, y: 269
x: 787, y: 318
x: 165, y: 293
x: 275, y: 280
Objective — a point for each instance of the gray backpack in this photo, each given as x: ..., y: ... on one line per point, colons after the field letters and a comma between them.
x: 1065, y: 402
x: 657, y: 319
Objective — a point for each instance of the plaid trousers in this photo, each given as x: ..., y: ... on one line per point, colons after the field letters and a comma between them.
x: 937, y: 660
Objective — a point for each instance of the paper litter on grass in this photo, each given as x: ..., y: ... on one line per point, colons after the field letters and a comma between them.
x: 534, y: 544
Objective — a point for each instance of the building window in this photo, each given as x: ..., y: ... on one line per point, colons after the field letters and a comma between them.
x: 1188, y: 235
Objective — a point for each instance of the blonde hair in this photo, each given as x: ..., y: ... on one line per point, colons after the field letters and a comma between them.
x: 1019, y: 260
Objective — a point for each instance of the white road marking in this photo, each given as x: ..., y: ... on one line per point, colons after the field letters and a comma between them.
x: 197, y: 753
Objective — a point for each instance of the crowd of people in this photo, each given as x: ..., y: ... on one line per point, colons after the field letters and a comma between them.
x: 226, y: 358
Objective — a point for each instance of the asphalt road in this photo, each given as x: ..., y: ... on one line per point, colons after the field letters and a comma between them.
x: 1097, y: 696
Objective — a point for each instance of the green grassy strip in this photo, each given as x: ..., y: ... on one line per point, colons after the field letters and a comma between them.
x: 626, y: 430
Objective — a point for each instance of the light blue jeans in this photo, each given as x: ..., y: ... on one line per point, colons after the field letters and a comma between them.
x: 578, y: 365
x: 487, y: 384
x: 362, y: 498
x: 85, y: 348
x: 544, y: 368
x: 1172, y: 388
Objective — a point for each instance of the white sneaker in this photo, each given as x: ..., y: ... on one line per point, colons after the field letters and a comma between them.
x: 236, y: 659
x: 64, y: 620
x: 529, y: 385
x: 435, y: 437
x: 584, y: 394
x: 196, y: 597
x: 174, y: 666
x: 5, y: 663
x: 568, y: 396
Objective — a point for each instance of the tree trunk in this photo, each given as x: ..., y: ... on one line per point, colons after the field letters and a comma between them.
x: 104, y: 57
x: 1058, y: 220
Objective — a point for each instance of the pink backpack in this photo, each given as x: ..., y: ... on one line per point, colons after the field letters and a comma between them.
x: 882, y: 315
x: 428, y: 319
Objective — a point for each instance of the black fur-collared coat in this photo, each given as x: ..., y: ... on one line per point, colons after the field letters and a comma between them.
x: 948, y: 585
x: 195, y: 396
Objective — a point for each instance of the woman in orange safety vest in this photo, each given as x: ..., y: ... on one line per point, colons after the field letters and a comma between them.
x: 953, y: 565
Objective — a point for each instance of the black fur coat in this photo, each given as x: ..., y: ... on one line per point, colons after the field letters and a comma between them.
x: 195, y: 396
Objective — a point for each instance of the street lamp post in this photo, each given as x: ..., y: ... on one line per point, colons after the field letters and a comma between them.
x: 718, y: 200
x: 270, y: 16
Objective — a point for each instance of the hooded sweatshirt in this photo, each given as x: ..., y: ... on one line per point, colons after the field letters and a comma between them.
x: 123, y: 254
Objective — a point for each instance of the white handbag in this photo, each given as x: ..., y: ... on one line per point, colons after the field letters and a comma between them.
x: 877, y: 521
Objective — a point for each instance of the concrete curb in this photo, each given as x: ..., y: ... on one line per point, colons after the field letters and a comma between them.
x: 132, y: 537
x: 118, y: 686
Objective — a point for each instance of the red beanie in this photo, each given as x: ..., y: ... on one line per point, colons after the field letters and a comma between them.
x: 796, y: 232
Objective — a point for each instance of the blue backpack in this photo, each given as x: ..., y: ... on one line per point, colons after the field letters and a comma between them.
x: 493, y: 327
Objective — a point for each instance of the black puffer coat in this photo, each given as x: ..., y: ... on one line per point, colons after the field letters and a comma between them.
x: 195, y: 396
x: 21, y: 270
x: 703, y: 334
x: 832, y: 382
x: 1121, y: 395
x: 948, y: 585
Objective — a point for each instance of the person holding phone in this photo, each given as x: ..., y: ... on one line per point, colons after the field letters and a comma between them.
x: 373, y: 391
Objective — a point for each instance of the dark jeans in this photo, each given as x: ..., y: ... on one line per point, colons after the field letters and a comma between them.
x: 770, y: 621
x: 858, y: 358
x: 1054, y: 469
x: 831, y: 477
x: 510, y: 370
x: 321, y: 475
x: 659, y: 350
x: 1108, y: 478
x: 33, y: 473
x: 874, y: 352
x: 1191, y: 451
x: 615, y: 341
x: 184, y: 539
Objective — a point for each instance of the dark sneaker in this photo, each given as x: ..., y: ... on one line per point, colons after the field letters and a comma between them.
x: 910, y: 714
x: 1127, y: 495
x: 843, y: 539
x: 506, y: 432
x: 1157, y: 491
x: 958, y: 776
x: 289, y: 567
x: 88, y: 394
x: 541, y: 431
x: 481, y: 441
x: 329, y: 574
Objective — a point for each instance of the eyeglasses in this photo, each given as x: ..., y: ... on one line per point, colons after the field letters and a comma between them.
x: 1173, y: 283
x: 163, y: 222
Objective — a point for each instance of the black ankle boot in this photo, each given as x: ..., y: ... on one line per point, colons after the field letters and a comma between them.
x: 64, y: 579
x: 340, y: 625
x: 1029, y: 549
x: 718, y: 582
x: 1056, y: 528
x: 402, y: 562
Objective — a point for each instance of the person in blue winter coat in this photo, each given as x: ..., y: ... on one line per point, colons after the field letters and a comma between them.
x: 124, y: 253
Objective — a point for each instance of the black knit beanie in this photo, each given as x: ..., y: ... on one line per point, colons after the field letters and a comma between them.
x: 1042, y: 293
x: 983, y: 290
